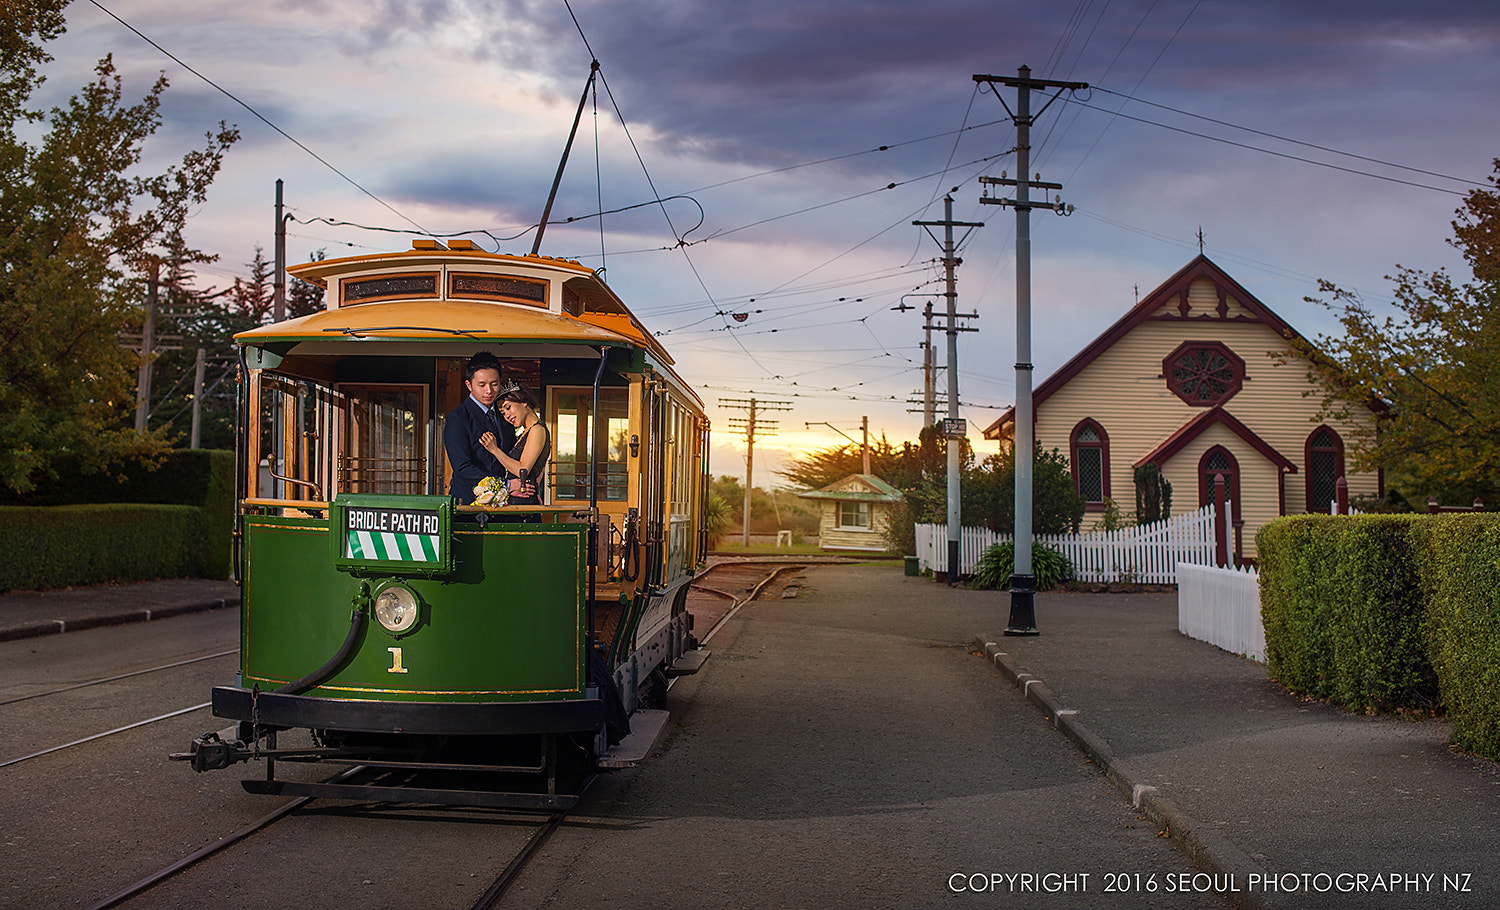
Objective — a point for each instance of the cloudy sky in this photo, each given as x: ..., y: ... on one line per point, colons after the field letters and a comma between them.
x: 794, y: 142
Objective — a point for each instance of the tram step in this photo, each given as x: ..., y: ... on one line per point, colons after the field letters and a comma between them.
x: 645, y: 728
x: 689, y: 663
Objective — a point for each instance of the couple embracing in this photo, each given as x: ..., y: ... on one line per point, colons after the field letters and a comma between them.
x: 496, y: 432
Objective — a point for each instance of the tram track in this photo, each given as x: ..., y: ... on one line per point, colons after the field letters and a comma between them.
x: 488, y: 900
x: 109, y: 679
x: 4, y: 763
x: 739, y: 582
x: 736, y: 584
x: 155, y: 878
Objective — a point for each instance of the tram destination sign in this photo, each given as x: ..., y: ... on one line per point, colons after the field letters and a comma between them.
x: 400, y: 534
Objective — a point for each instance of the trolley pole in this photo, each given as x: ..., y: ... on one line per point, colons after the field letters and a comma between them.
x: 1022, y: 581
x: 954, y: 428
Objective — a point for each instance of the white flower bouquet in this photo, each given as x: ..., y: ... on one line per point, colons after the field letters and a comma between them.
x: 491, y: 491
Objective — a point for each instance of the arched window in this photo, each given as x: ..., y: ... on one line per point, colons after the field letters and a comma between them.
x: 1219, y: 460
x: 1325, y: 465
x: 1090, y: 459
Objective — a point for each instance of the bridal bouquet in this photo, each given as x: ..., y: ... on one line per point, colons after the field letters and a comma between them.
x: 491, y: 491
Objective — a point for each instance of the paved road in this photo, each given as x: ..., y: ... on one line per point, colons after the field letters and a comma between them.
x: 846, y: 749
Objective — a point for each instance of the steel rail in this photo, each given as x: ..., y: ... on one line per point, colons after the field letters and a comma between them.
x: 110, y: 679
x: 534, y: 843
x: 78, y: 742
x: 754, y: 593
x: 227, y: 840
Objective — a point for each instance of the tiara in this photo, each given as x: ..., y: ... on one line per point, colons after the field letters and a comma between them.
x: 510, y: 387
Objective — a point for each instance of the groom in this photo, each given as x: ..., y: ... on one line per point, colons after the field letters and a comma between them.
x: 475, y: 416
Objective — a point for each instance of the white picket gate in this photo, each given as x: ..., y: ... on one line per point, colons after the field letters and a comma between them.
x: 1222, y: 607
x: 1147, y: 554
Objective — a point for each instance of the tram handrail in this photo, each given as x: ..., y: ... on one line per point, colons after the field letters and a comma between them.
x: 256, y: 502
x: 259, y: 502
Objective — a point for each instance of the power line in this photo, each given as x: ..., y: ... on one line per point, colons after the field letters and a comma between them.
x: 1264, y: 151
x: 1279, y: 138
x: 259, y: 116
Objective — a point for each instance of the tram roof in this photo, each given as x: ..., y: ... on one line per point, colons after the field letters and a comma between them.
x: 602, y: 318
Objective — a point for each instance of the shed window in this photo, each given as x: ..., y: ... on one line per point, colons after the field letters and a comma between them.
x: 854, y: 515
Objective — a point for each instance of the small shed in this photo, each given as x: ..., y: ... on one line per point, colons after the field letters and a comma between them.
x: 855, y: 513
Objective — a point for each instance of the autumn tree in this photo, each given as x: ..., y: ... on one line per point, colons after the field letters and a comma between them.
x: 1433, y: 368
x: 303, y: 298
x: 79, y: 227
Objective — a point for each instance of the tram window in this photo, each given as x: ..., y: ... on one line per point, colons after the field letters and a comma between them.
x: 289, y: 439
x: 570, y: 452
x: 384, y: 446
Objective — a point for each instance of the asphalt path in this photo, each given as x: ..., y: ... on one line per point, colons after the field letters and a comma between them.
x: 79, y: 824
x: 846, y: 748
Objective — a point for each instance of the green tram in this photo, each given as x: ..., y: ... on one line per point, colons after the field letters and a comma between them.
x: 428, y: 640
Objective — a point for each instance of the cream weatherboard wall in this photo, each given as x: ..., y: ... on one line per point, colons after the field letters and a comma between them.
x: 1119, y: 383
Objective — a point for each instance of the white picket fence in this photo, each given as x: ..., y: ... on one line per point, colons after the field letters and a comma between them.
x: 1147, y: 554
x: 1222, y: 607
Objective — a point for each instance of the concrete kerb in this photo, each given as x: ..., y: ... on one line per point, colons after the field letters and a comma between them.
x: 1206, y: 847
x: 80, y: 623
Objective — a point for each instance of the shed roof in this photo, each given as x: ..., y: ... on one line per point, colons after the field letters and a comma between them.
x: 857, y: 488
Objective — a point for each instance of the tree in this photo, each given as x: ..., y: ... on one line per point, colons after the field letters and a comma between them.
x: 920, y: 472
x: 253, y: 299
x: 1153, y: 495
x: 1434, y: 369
x: 897, y: 466
x: 78, y: 228
x: 1056, y: 507
x: 304, y: 298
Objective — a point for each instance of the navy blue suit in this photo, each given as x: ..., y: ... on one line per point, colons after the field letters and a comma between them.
x: 471, y: 462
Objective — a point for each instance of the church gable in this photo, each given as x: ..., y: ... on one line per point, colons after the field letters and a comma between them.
x: 1203, y: 297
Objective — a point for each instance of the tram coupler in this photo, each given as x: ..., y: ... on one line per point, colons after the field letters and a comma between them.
x: 212, y: 752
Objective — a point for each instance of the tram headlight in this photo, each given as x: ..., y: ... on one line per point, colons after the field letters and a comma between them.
x: 396, y: 608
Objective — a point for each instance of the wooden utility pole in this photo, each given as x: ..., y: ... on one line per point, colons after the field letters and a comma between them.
x: 751, y: 426
x: 278, y: 281
x: 864, y: 424
x: 953, y: 428
x: 198, y: 367
x: 1022, y: 582
x: 148, y: 350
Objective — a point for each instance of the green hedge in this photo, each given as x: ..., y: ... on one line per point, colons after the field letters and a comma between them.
x: 200, y: 480
x: 62, y: 546
x: 1385, y: 612
x: 1343, y: 610
x: 1461, y: 577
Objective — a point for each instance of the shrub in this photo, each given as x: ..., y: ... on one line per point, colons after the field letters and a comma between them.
x: 202, y: 479
x: 1460, y: 573
x: 60, y: 546
x: 997, y: 564
x: 1343, y: 611
x: 717, y: 514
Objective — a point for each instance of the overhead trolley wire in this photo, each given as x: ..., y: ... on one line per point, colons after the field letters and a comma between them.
x: 261, y: 117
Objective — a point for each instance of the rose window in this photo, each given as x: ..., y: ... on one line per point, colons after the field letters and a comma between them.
x: 1203, y: 374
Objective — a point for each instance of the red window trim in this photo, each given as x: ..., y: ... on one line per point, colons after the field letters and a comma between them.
x: 1236, y: 363
x: 1307, y: 454
x: 1103, y: 447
